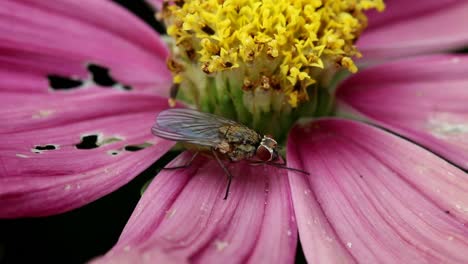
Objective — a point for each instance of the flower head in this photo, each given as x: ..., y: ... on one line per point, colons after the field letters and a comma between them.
x: 252, y: 60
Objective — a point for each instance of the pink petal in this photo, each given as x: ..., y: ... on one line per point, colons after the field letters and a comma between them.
x: 409, y: 27
x: 375, y: 198
x: 424, y: 99
x: 35, y: 181
x: 38, y: 38
x: 141, y: 256
x: 183, y: 214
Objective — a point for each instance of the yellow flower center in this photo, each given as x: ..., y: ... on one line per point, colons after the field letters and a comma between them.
x: 273, y: 44
x: 259, y: 61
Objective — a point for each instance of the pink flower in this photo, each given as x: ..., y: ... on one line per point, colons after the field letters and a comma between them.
x: 371, y: 196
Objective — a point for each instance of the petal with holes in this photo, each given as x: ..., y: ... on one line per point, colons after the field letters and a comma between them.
x: 373, y: 197
x: 41, y: 38
x: 424, y: 99
x: 48, y: 168
x: 182, y: 213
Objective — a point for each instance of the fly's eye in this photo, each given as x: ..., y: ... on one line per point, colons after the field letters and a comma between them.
x: 271, y: 142
x: 263, y: 153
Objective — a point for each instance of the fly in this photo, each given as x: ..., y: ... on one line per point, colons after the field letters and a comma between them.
x: 222, y: 138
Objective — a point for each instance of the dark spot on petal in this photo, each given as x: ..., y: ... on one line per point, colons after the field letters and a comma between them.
x: 114, y: 152
x: 46, y: 147
x: 88, y: 142
x: 58, y: 82
x: 208, y: 30
x: 447, y: 211
x: 133, y: 148
x: 101, y: 75
x: 127, y: 87
x: 228, y: 64
x: 360, y: 176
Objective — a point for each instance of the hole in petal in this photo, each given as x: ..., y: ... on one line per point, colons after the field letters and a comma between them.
x: 95, y: 140
x: 113, y: 152
x: 101, y: 75
x: 57, y: 82
x: 41, y: 148
x: 88, y: 142
x: 133, y: 148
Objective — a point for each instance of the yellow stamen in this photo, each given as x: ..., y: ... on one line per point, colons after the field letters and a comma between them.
x: 288, y: 43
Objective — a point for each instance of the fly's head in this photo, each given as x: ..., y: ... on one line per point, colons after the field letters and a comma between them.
x: 266, y: 151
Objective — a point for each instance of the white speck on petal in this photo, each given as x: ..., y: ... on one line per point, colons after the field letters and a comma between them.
x: 349, y: 244
x: 170, y: 213
x: 221, y: 245
x: 450, y: 238
x: 67, y: 187
x: 204, y: 207
x: 455, y: 60
x: 42, y: 114
x: 289, y: 232
x: 306, y: 191
x: 22, y: 156
x: 449, y: 127
x: 127, y: 248
x: 461, y: 208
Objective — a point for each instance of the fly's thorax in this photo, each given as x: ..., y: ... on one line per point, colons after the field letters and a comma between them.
x: 239, y: 134
x: 242, y: 152
x: 239, y: 142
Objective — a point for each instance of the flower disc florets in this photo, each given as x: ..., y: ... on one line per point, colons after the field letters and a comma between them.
x: 267, y: 53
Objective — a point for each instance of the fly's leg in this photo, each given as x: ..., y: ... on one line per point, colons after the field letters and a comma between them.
x: 228, y: 174
x: 281, y: 165
x: 186, y: 165
x: 260, y: 162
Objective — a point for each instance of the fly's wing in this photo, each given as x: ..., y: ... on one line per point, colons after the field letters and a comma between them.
x: 192, y: 126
